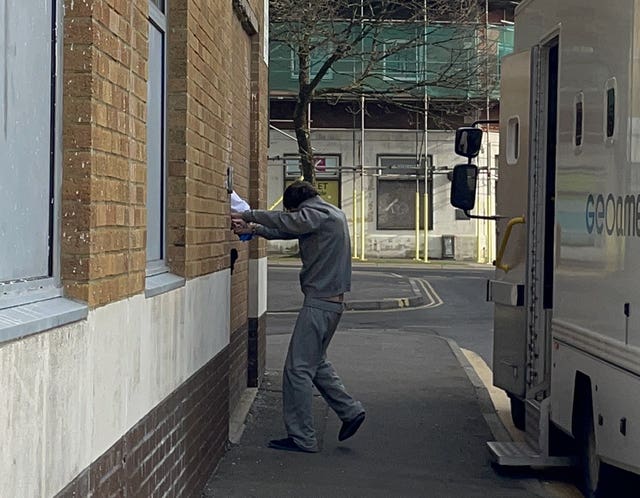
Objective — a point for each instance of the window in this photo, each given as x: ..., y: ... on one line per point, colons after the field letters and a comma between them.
x: 513, y: 140
x: 396, y: 192
x: 578, y: 121
x: 29, y: 149
x: 327, y: 175
x: 156, y: 129
x: 30, y: 164
x: 159, y: 279
x: 401, y: 64
x: 610, y: 110
x: 505, y: 46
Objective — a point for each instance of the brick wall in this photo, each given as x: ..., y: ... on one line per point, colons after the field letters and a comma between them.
x: 104, y: 154
x: 208, y: 135
x: 176, y: 136
x: 259, y: 143
x: 257, y: 195
x: 174, y: 449
x: 216, y: 91
x: 217, y: 110
x: 239, y: 121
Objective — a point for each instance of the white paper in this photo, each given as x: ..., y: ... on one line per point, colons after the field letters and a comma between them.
x: 238, y: 204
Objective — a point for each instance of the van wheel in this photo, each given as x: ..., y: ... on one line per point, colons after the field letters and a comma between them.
x: 518, y: 412
x: 590, y: 465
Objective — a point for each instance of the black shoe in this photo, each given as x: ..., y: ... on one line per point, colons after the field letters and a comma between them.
x: 287, y: 444
x: 350, y: 427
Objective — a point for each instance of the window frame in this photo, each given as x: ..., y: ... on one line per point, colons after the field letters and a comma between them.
x: 158, y: 20
x: 159, y: 278
x: 19, y: 291
x: 332, y: 174
x: 38, y: 304
x: 403, y: 176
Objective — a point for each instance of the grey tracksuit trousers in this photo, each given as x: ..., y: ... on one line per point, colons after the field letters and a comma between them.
x: 307, y: 363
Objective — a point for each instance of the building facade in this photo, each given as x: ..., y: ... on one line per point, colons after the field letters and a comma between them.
x: 131, y: 319
x: 377, y: 159
x: 391, y: 184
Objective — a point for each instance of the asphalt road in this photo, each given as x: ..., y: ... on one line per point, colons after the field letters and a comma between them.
x: 463, y: 316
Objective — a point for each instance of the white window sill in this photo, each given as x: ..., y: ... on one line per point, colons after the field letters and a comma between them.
x: 161, y: 283
x: 31, y: 318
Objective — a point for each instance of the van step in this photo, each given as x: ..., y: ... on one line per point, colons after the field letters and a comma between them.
x: 518, y: 454
x: 533, y: 432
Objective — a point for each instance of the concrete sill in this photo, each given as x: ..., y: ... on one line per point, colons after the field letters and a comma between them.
x: 161, y: 283
x: 31, y: 318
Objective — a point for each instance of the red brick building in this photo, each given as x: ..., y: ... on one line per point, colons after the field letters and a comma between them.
x: 131, y: 318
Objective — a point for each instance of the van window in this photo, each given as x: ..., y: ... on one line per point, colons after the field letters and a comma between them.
x: 610, y: 105
x: 611, y: 111
x: 578, y: 120
x: 513, y: 140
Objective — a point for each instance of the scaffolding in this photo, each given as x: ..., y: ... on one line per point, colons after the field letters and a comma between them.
x: 358, y: 174
x: 359, y: 170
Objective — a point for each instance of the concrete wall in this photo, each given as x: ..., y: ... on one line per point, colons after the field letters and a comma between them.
x: 69, y: 394
x: 394, y: 243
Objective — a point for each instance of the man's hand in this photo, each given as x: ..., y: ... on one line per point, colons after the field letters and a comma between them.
x: 237, y: 223
x: 240, y: 227
x: 236, y: 216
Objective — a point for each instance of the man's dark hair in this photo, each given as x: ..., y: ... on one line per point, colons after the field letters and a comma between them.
x: 296, y: 193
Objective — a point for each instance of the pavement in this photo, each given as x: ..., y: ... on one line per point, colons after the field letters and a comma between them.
x: 428, y: 419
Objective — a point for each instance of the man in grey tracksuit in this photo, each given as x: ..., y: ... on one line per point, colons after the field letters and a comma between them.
x: 323, y: 237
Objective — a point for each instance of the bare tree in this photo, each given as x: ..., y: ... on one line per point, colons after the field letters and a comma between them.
x: 345, y: 49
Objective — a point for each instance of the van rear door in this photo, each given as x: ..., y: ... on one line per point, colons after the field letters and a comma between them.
x: 507, y: 289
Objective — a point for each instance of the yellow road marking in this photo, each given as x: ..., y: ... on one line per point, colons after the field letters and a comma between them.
x: 502, y: 406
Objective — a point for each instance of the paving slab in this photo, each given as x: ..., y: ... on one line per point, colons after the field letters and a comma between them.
x: 424, y: 435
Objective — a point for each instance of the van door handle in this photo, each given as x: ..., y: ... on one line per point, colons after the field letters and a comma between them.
x: 498, y: 262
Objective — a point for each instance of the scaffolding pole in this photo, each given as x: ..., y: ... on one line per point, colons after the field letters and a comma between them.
x: 355, y: 216
x: 417, y: 215
x: 362, y: 185
x: 489, y: 222
x: 426, y: 141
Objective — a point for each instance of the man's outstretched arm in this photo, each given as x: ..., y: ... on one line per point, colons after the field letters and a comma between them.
x: 295, y: 222
x: 241, y: 227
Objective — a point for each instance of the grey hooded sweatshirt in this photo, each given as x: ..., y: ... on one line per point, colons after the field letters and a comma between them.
x: 323, y: 238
